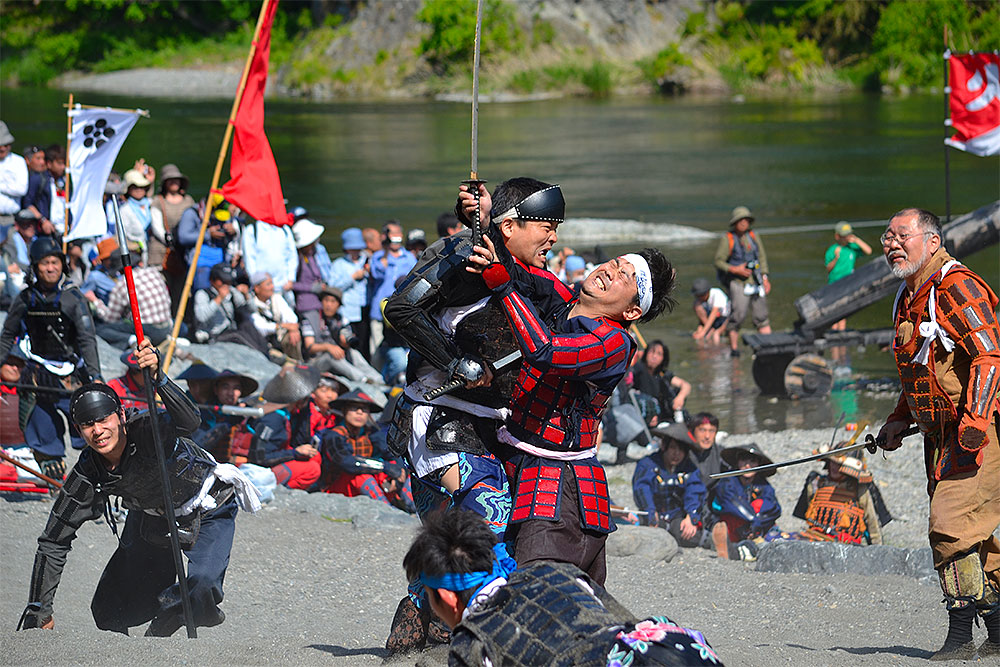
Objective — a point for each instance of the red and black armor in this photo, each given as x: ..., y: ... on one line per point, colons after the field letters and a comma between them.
x: 954, y: 309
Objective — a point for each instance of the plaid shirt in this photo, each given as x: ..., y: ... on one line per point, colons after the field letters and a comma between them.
x: 150, y: 291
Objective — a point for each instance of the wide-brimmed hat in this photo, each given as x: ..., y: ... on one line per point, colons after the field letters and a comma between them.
x: 353, y: 239
x: 136, y: 178
x: 355, y: 397
x: 731, y: 456
x: 667, y: 431
x: 199, y: 370
x: 739, y: 213
x: 336, y: 382
x: 851, y: 463
x: 5, y: 136
x: 335, y: 292
x: 291, y: 385
x: 248, y: 385
x: 306, y: 232
x: 169, y: 171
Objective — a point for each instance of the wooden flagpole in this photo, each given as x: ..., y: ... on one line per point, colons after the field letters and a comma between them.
x: 69, y: 139
x: 947, y: 127
x: 142, y: 112
x: 207, y: 213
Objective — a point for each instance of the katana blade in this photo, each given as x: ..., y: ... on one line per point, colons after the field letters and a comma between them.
x: 871, y: 442
x: 474, y: 171
x: 474, y: 181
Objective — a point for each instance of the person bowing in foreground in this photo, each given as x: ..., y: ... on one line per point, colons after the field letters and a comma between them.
x: 139, y: 582
x: 544, y: 613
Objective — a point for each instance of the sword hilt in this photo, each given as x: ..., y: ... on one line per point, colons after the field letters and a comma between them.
x: 872, y: 443
x: 444, y: 389
x: 473, y: 184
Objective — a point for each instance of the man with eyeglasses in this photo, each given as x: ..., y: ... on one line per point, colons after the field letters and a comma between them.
x: 947, y: 349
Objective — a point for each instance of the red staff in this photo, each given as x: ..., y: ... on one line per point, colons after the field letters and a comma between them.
x: 161, y: 459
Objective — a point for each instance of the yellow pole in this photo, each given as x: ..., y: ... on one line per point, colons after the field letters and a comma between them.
x: 207, y: 213
x: 69, y: 135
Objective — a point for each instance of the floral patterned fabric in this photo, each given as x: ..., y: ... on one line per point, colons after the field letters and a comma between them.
x: 660, y: 641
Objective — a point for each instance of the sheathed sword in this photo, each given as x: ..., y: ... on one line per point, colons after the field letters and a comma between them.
x: 870, y: 442
x: 452, y: 385
x: 474, y: 181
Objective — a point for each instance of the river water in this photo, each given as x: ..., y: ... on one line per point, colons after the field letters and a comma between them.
x: 801, y: 165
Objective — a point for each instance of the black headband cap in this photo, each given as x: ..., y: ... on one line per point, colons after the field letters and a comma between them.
x: 546, y: 205
x: 93, y: 402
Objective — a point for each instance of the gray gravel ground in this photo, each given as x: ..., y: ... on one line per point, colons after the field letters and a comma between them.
x: 314, y: 580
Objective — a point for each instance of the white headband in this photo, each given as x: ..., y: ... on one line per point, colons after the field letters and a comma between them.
x: 643, y: 280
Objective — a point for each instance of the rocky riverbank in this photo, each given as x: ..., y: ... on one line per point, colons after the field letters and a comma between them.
x: 314, y: 580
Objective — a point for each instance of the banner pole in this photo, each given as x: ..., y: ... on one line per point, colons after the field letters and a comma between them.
x: 69, y: 140
x: 207, y: 212
x: 947, y: 128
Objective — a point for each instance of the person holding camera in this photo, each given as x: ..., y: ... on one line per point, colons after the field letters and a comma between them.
x: 223, y: 314
x: 741, y: 263
x: 329, y: 342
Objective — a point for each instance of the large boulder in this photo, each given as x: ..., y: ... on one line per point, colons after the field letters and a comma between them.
x: 653, y: 544
x: 839, y: 558
x: 360, y: 511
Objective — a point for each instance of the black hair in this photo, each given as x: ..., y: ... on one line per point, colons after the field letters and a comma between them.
x: 926, y: 221
x: 55, y: 152
x: 451, y: 542
x: 445, y: 222
x: 702, y: 418
x: 666, y: 355
x: 385, y: 227
x: 664, y: 279
x: 512, y: 192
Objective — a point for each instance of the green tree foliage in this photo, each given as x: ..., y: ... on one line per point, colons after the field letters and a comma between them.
x: 451, y: 41
x: 42, y: 40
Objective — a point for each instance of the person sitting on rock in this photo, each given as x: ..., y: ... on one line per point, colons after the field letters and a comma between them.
x: 227, y: 437
x: 842, y: 505
x: 747, y: 505
x: 543, y: 613
x: 281, y: 438
x: 322, y: 414
x: 350, y: 464
x: 660, y: 479
x: 330, y: 343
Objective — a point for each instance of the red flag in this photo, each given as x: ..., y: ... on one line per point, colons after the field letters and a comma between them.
x: 975, y: 103
x: 254, y: 184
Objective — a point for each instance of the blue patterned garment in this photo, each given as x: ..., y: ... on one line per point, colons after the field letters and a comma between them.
x: 660, y: 641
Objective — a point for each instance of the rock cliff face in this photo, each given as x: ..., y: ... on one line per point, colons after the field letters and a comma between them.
x: 374, y: 52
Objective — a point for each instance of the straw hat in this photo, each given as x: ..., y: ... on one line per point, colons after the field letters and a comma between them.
x: 306, y: 232
x: 170, y: 171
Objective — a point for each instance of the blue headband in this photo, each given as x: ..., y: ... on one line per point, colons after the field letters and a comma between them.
x: 503, y: 566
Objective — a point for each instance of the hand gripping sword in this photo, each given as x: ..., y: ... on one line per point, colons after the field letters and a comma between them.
x: 161, y: 459
x: 457, y: 383
x: 871, y: 443
x: 474, y: 181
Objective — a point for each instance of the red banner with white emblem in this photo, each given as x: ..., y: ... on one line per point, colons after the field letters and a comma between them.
x: 975, y: 103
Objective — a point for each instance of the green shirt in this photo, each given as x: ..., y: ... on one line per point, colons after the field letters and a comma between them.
x: 845, y: 263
